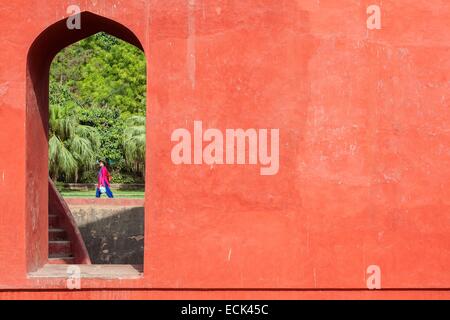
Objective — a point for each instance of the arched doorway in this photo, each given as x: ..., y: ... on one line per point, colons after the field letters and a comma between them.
x: 40, y: 55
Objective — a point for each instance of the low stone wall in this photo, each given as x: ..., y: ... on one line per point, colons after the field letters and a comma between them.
x: 92, y: 186
x: 113, y: 233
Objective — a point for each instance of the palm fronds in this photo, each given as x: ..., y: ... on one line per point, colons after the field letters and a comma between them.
x: 134, y: 143
x: 72, y: 146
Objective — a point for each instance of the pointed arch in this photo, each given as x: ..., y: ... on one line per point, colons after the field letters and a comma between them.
x: 40, y: 56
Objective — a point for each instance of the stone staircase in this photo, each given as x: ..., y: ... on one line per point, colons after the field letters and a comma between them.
x: 65, y: 244
x: 59, y: 245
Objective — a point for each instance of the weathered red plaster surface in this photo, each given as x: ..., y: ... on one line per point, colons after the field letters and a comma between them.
x: 365, y: 146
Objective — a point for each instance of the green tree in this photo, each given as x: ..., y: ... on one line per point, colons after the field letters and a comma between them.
x: 98, y: 84
x: 134, y: 143
x: 71, y: 144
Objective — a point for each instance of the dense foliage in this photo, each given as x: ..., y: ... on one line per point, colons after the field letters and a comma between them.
x: 97, y: 110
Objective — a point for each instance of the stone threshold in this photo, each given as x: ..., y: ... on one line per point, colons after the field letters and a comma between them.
x: 92, y: 271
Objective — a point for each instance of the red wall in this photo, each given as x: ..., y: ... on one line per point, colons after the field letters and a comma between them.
x: 364, y: 146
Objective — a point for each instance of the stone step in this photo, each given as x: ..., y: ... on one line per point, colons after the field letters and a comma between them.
x: 59, y: 247
x: 61, y: 259
x: 55, y: 234
x: 53, y: 221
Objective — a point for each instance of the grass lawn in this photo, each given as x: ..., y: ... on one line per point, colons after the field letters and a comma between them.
x: 91, y: 194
